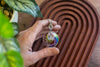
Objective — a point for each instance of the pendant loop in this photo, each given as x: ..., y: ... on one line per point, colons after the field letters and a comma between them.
x: 50, y: 25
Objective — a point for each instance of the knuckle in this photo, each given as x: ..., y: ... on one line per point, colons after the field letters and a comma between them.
x: 39, y: 22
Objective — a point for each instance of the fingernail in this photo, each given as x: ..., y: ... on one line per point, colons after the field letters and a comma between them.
x: 57, y: 50
x: 58, y: 26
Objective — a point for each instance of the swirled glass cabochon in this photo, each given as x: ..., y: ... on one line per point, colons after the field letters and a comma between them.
x: 51, y: 39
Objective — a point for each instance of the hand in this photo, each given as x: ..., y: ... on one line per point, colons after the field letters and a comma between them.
x: 26, y: 39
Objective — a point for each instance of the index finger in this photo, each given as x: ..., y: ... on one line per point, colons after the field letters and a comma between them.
x: 39, y: 25
x: 36, y: 28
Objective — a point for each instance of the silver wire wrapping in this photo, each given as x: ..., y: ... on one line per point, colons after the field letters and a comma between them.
x: 51, y: 39
x: 50, y: 25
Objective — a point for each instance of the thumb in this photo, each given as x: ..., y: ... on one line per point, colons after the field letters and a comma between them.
x: 44, y: 53
x: 47, y: 52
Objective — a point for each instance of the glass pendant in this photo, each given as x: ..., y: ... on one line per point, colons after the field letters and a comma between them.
x: 51, y: 39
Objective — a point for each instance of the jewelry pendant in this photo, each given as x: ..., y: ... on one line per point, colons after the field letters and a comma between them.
x: 51, y: 39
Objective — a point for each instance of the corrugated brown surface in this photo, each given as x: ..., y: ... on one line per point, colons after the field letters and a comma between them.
x: 78, y: 35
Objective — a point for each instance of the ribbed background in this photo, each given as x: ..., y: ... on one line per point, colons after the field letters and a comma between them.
x: 78, y: 35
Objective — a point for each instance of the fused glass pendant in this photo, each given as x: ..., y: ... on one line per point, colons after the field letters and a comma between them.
x: 51, y: 39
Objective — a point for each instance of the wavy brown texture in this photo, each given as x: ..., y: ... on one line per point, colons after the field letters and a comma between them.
x: 78, y: 35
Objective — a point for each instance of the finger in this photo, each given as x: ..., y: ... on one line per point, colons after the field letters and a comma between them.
x: 55, y: 28
x: 46, y: 30
x: 46, y: 52
x: 46, y: 22
x: 53, y: 23
x: 37, y: 27
x: 31, y: 33
x: 36, y: 56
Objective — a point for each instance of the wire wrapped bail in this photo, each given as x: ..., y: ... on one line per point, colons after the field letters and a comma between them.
x: 50, y: 24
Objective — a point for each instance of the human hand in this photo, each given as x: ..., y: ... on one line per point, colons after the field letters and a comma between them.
x: 26, y: 39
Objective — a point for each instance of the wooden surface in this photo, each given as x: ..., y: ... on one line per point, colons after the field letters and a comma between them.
x: 95, y: 58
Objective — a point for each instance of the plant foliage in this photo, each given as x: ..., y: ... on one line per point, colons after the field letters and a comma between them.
x: 9, y: 48
x: 27, y: 6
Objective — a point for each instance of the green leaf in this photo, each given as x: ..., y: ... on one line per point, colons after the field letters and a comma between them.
x: 27, y: 6
x: 11, y: 59
x: 9, y: 48
x: 9, y: 44
x: 6, y: 29
x: 3, y: 61
x: 16, y: 28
